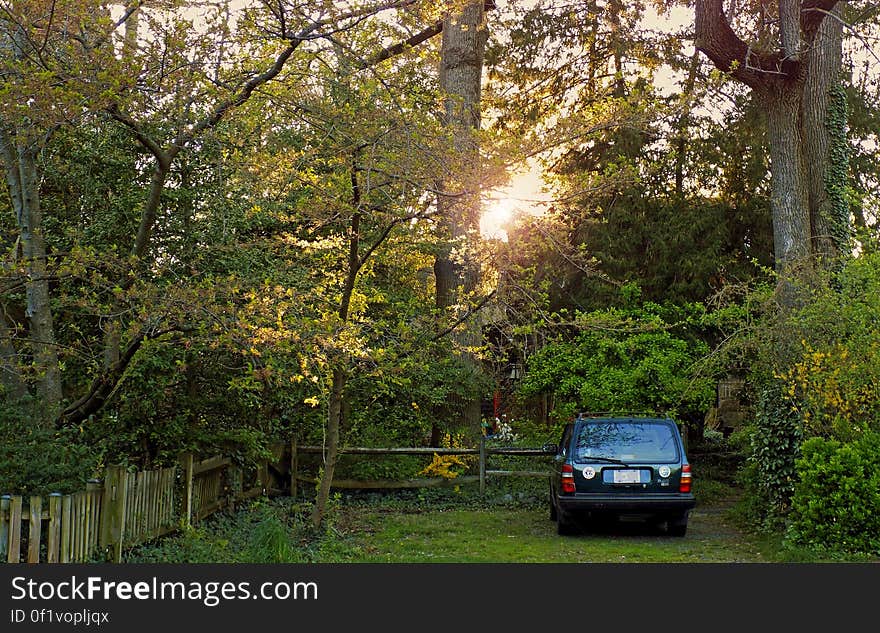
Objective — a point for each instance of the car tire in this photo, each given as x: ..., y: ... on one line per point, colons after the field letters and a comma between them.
x: 677, y: 526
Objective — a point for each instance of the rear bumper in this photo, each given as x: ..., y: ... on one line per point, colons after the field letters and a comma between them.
x: 621, y: 503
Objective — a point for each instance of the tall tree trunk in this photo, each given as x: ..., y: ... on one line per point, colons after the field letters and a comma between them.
x: 825, y: 150
x: 788, y: 183
x: 23, y: 178
x: 456, y: 271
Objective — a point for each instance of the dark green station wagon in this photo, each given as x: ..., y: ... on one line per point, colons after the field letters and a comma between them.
x: 615, y: 466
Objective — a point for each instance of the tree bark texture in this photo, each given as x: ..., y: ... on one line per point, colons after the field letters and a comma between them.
x: 456, y: 269
x: 789, y: 194
x: 823, y: 74
x: 23, y: 178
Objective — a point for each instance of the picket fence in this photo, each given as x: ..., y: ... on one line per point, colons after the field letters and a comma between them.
x: 121, y: 510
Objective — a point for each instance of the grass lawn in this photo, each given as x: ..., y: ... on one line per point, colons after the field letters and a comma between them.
x: 447, y: 526
x: 528, y: 536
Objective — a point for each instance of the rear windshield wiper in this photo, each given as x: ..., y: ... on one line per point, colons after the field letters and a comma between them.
x: 593, y: 458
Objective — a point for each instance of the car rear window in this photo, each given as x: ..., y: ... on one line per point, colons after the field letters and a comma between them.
x: 626, y: 441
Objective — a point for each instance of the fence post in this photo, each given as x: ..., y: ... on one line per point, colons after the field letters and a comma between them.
x: 482, y: 465
x: 93, y: 509
x: 14, y: 548
x: 113, y: 510
x: 66, y: 517
x: 293, y: 468
x: 227, y: 487
x: 53, y: 543
x: 5, y: 501
x: 187, y: 461
x: 36, y: 528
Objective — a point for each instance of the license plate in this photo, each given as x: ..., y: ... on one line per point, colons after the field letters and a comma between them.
x: 627, y: 477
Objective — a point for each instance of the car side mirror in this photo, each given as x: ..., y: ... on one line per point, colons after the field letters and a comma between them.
x: 550, y: 448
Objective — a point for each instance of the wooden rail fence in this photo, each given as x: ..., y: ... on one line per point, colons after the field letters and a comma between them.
x: 484, y: 451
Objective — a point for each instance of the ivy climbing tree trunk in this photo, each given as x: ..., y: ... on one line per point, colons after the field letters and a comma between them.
x: 825, y: 146
x: 456, y: 269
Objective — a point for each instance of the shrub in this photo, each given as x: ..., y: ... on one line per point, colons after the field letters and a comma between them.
x: 812, y: 370
x: 774, y: 445
x: 640, y: 359
x: 38, y: 461
x: 836, y: 502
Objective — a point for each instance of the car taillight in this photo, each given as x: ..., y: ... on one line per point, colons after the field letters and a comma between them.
x: 567, y: 478
x: 684, y: 484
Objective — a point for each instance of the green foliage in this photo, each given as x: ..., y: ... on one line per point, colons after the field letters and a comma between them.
x: 173, y: 399
x: 775, y: 443
x: 264, y: 531
x: 835, y: 368
x: 836, y: 502
x: 399, y: 401
x: 623, y: 360
x: 272, y: 542
x: 812, y: 372
x: 837, y: 173
x: 677, y: 250
x: 375, y: 467
x: 38, y: 461
x: 533, y: 434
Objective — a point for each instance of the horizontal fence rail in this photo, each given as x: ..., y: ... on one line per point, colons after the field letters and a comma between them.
x: 483, y: 451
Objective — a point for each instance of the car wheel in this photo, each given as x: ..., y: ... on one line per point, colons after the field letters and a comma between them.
x: 677, y: 526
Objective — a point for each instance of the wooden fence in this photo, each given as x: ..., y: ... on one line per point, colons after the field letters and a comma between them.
x: 484, y: 451
x: 125, y: 509
x: 121, y: 510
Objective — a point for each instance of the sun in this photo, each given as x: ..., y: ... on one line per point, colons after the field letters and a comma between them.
x: 524, y: 194
x: 496, y: 216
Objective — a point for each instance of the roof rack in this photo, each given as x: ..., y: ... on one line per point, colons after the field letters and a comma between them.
x: 621, y: 414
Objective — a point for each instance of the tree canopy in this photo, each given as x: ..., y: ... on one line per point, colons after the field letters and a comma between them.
x: 226, y: 223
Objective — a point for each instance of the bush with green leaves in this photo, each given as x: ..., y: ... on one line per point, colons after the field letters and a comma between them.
x: 638, y: 359
x: 835, y: 343
x: 36, y: 460
x: 836, y: 501
x: 775, y: 439
x: 814, y: 368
